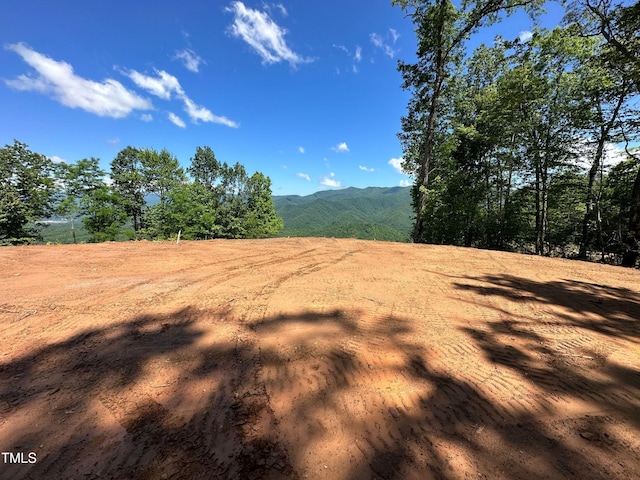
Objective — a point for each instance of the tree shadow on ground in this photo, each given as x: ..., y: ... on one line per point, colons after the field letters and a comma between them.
x: 601, y: 308
x: 336, y: 394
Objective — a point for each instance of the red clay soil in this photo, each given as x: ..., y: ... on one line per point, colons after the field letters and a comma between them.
x: 315, y: 358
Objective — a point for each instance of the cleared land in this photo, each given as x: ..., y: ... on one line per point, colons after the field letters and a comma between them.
x: 316, y: 358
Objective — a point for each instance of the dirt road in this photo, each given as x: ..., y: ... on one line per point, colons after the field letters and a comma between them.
x: 315, y: 358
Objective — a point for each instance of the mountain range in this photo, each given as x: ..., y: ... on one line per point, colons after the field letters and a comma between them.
x: 380, y: 213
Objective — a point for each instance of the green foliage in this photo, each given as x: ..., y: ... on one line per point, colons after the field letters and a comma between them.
x: 261, y: 219
x: 104, y: 214
x: 191, y: 210
x: 493, y: 141
x: 27, y: 191
x: 221, y: 202
x: 369, y: 213
x: 129, y: 182
x: 77, y: 180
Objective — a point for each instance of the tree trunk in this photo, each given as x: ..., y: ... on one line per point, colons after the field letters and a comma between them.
x: 425, y: 161
x: 73, y: 230
x: 633, y: 241
x: 597, y: 163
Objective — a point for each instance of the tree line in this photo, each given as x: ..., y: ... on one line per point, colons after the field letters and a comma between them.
x: 148, y: 195
x: 507, y: 145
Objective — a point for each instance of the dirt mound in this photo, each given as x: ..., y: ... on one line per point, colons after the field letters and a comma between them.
x: 315, y: 358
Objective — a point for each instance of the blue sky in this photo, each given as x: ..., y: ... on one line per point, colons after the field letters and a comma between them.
x: 306, y: 92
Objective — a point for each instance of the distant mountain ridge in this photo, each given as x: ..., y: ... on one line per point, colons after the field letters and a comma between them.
x: 382, y: 213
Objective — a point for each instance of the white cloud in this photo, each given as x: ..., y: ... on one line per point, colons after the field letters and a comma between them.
x: 341, y: 147
x: 395, y: 35
x: 366, y: 169
x: 301, y: 149
x: 197, y: 112
x: 354, y: 69
x: 190, y: 59
x: 585, y: 149
x: 283, y: 10
x: 57, y: 80
x: 525, y: 36
x: 164, y: 85
x: 330, y: 181
x: 161, y: 86
x: 405, y: 183
x: 57, y: 159
x: 343, y: 48
x: 378, y: 41
x: 146, y: 117
x: 176, y: 120
x: 264, y: 35
x: 358, y: 55
x: 304, y: 176
x: 113, y: 141
x: 396, y: 163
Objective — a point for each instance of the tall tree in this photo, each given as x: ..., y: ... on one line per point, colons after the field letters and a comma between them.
x: 619, y: 25
x: 104, y: 214
x: 161, y: 172
x: 77, y: 181
x: 441, y: 30
x: 129, y: 183
x: 27, y: 191
x: 262, y: 219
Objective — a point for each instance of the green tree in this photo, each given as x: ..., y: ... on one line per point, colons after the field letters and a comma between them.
x: 104, y: 213
x: 129, y: 183
x: 161, y: 172
x: 191, y: 210
x: 441, y: 30
x: 77, y: 180
x: 27, y: 191
x: 261, y: 220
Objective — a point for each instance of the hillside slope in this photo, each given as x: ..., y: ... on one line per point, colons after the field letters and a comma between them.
x: 331, y: 359
x: 369, y: 213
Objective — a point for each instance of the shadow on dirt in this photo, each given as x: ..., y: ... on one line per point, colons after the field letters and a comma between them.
x: 279, y: 391
x: 600, y: 308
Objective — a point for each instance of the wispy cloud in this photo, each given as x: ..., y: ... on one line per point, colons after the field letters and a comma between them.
x: 341, y: 147
x: 190, y: 59
x: 304, y: 176
x: 262, y: 34
x: 57, y: 159
x: 113, y: 141
x: 330, y: 181
x: 380, y: 43
x: 357, y: 56
x: 525, y: 36
x: 146, y: 117
x: 176, y: 120
x: 343, y: 48
x: 301, y: 149
x: 165, y: 85
x: 283, y: 11
x: 57, y: 80
x: 365, y: 169
x: 396, y: 163
x: 405, y: 183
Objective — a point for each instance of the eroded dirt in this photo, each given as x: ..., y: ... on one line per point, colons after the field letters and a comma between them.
x: 316, y: 358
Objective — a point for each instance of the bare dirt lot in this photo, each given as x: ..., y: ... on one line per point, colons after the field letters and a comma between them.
x: 316, y: 358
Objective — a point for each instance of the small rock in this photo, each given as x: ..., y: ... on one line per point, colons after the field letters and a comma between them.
x: 587, y: 435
